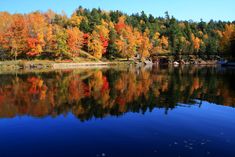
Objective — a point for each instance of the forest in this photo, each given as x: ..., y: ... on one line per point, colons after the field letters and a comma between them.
x: 107, y: 35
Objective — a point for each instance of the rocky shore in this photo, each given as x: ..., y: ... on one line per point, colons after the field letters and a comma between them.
x: 45, y: 64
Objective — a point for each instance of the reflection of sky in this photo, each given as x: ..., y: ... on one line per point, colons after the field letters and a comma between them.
x: 181, y: 9
x: 186, y: 131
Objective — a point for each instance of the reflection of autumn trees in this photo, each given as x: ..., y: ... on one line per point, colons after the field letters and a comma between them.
x: 97, y: 93
x: 132, y: 86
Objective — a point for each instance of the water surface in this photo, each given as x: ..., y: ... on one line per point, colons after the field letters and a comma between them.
x: 118, y: 112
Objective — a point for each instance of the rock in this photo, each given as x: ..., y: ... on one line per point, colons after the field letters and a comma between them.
x: 39, y: 66
x: 147, y: 62
x: 176, y: 63
x: 202, y: 62
x: 182, y: 62
x: 195, y: 62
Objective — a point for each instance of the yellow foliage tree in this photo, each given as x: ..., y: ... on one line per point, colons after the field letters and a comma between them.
x: 161, y: 44
x: 196, y: 42
x: 225, y: 42
x: 75, y: 20
x: 145, y: 46
x: 95, y: 45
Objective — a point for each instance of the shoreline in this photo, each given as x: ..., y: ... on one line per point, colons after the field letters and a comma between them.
x: 41, y: 66
x: 53, y: 65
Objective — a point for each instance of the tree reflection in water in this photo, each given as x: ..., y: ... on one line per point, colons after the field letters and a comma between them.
x: 101, y: 92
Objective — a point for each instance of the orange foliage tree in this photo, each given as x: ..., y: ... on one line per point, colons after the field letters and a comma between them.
x: 16, y: 36
x: 75, y: 41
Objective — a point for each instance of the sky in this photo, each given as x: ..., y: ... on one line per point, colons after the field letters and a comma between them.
x: 181, y: 9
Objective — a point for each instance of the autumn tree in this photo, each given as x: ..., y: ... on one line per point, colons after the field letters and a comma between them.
x: 37, y: 27
x: 233, y: 45
x: 227, y: 35
x: 49, y: 16
x: 127, y: 41
x: 95, y: 46
x: 75, y: 20
x: 196, y: 42
x: 160, y: 44
x: 50, y: 39
x: 16, y: 36
x: 61, y: 49
x: 145, y: 45
x: 131, y: 43
x: 5, y: 22
x: 120, y: 26
x: 74, y: 41
x: 103, y: 31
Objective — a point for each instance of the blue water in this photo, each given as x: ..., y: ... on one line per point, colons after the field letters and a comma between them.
x: 208, y: 130
x: 164, y: 113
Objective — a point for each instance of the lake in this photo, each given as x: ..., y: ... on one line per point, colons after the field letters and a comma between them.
x: 118, y: 112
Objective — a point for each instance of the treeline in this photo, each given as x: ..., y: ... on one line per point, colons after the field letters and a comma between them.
x: 101, y: 34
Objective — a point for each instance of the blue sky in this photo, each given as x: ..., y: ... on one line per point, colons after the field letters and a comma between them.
x: 181, y: 9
